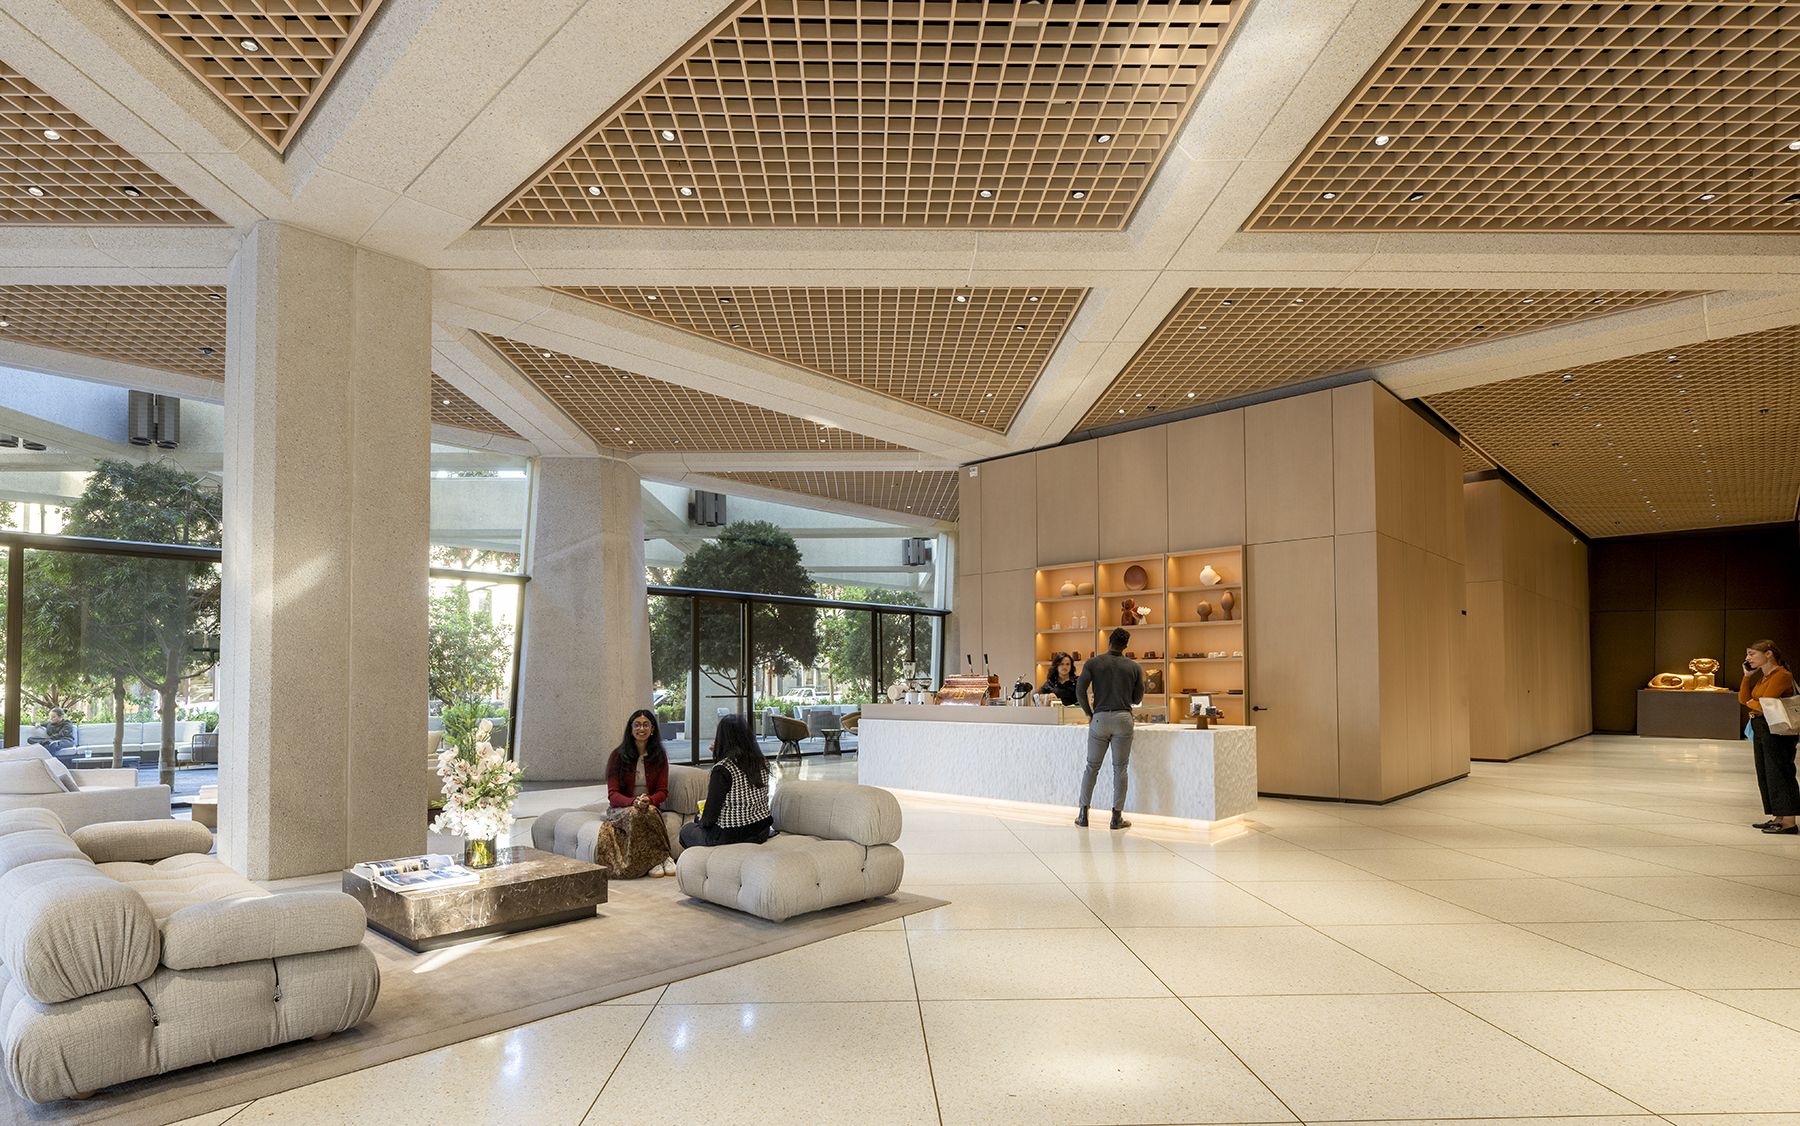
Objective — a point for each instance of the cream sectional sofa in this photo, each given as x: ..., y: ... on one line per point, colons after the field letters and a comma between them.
x: 834, y: 844
x: 31, y: 779
x: 572, y: 832
x: 126, y: 952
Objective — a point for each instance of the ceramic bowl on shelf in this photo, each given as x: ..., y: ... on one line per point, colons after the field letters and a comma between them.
x: 1136, y: 578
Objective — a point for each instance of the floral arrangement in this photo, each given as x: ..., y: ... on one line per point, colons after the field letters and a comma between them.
x: 480, y: 786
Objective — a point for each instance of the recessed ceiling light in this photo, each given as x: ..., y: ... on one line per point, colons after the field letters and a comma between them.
x: 651, y: 297
x: 1794, y: 146
x: 446, y: 402
x: 961, y: 297
x: 1121, y: 410
x: 1140, y: 394
x: 1225, y: 302
x: 131, y: 191
x: 1077, y: 194
x: 34, y: 190
x: 250, y: 45
x: 1795, y: 198
x: 215, y: 297
x: 1672, y: 358
x: 206, y: 351
x: 934, y: 394
x: 595, y: 190
x: 615, y: 430
x: 983, y: 410
x: 1415, y: 197
x: 1103, y: 138
x: 1034, y: 299
x: 546, y: 355
x: 1327, y: 195
x: 668, y: 134
x: 687, y: 191
x: 985, y: 194
x: 1299, y: 300
x: 1190, y: 394
x: 737, y: 326
x: 989, y: 395
x: 1708, y: 197
x: 1599, y: 301
x: 52, y: 135
x: 4, y: 323
x: 724, y: 300
x: 1018, y: 328
x: 1383, y: 139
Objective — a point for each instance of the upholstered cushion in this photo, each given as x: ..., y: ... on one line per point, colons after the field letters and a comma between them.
x: 789, y: 875
x: 687, y: 789
x: 181, y: 881
x: 28, y: 751
x: 67, y: 931
x: 145, y: 841
x: 840, y: 811
x: 60, y: 772
x: 32, y: 845
x: 255, y: 927
x: 28, y: 776
x: 26, y: 819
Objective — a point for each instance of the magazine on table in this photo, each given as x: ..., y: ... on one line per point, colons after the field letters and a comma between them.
x: 412, y: 873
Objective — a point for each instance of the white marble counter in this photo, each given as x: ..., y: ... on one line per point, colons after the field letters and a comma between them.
x: 962, y: 713
x: 1176, y: 771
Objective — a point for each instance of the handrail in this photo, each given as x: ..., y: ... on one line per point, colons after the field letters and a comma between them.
x: 88, y: 545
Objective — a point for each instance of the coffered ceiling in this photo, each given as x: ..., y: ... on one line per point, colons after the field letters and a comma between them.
x: 268, y: 60
x: 931, y: 495
x: 634, y: 413
x: 972, y: 354
x: 1563, y: 117
x: 1222, y: 343
x: 177, y: 328
x: 453, y: 408
x: 56, y: 168
x: 932, y: 113
x: 1704, y: 435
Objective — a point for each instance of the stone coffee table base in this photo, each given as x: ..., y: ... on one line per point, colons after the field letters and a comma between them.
x: 525, y: 890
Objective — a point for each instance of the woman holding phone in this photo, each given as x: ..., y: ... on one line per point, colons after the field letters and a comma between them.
x: 1766, y: 674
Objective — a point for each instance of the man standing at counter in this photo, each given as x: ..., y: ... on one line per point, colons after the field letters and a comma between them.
x: 1117, y: 682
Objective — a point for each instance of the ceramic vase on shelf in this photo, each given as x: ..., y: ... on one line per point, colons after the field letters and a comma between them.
x: 1226, y: 601
x: 1205, y: 610
x: 1208, y: 576
x: 480, y: 853
x: 1068, y: 590
x: 1084, y: 588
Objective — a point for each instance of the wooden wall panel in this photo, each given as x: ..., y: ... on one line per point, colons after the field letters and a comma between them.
x: 1449, y: 688
x: 1288, y: 466
x: 1390, y: 465
x: 1206, y: 481
x: 1353, y: 456
x: 1482, y: 516
x: 1134, y: 492
x: 968, y: 624
x: 1068, y: 511
x: 1293, y: 625
x: 1359, y: 667
x: 1489, y: 728
x: 1682, y: 635
x: 1009, y: 516
x: 968, y: 525
x: 1621, y: 660
x: 1008, y: 624
x: 1622, y: 576
x: 1690, y: 574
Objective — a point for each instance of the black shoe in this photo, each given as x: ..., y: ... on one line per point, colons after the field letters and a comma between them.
x: 1771, y: 823
x: 1119, y: 822
x: 1792, y: 830
x: 1081, y: 818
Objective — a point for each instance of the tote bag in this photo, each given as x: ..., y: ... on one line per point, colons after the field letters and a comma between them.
x: 1782, y: 714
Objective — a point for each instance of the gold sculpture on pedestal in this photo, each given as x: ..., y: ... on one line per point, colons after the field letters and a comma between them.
x: 1702, y: 680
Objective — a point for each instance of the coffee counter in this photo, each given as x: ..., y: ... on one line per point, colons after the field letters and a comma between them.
x: 1025, y: 755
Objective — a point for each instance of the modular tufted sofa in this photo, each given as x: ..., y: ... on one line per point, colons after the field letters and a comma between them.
x: 572, y: 832
x: 30, y: 778
x: 834, y: 844
x: 127, y: 952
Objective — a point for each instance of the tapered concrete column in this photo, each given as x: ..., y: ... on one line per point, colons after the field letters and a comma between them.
x: 586, y: 659
x: 327, y: 526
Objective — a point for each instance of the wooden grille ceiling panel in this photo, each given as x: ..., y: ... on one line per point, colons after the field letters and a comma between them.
x: 972, y: 354
x: 453, y: 408
x: 268, y: 60
x: 1563, y: 117
x: 859, y: 113
x: 638, y: 414
x: 56, y: 168
x: 1473, y: 461
x: 177, y: 328
x: 1222, y: 343
x: 1704, y: 436
x: 932, y: 496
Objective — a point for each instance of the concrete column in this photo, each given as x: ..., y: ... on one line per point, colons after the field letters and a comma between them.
x: 586, y: 650
x: 327, y: 542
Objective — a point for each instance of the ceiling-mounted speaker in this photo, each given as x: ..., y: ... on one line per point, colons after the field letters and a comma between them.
x: 167, y: 418
x: 915, y: 551
x: 706, y: 510
x: 9, y: 441
x: 140, y: 417
x: 31, y: 445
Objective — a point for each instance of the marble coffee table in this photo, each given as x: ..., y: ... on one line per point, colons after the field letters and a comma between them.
x: 525, y: 890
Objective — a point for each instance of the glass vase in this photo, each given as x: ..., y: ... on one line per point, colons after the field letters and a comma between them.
x: 480, y: 853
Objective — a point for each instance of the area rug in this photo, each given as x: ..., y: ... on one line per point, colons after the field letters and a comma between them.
x: 647, y: 934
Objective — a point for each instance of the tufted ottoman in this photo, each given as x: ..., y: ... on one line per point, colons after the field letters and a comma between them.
x: 834, y: 845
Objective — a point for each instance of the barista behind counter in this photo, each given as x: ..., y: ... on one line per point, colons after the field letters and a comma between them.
x: 1061, y: 680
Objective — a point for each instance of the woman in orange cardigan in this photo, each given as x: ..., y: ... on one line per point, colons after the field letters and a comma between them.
x: 1766, y: 674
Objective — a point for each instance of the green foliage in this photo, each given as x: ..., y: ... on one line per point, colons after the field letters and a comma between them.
x: 848, y: 636
x: 751, y: 556
x: 462, y: 719
x: 209, y: 719
x: 468, y: 650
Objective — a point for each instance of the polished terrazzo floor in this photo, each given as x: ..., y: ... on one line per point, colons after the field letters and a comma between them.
x: 1590, y: 933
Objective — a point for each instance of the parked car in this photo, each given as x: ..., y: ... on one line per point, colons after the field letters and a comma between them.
x: 807, y: 694
x: 659, y: 697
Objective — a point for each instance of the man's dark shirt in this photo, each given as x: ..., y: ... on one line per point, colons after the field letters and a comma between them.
x: 1117, y: 680
x: 55, y: 729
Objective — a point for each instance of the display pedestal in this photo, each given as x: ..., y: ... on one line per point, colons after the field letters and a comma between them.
x: 1689, y: 715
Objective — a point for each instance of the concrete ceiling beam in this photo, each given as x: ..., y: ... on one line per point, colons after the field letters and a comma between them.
x: 472, y: 366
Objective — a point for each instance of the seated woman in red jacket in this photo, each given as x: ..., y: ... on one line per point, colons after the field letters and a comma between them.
x: 637, y: 785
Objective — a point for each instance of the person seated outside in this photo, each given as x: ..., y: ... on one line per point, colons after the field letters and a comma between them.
x: 637, y: 785
x: 58, y: 736
x: 737, y: 794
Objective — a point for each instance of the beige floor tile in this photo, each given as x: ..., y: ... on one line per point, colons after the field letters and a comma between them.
x: 647, y: 997
x: 946, y: 820
x: 1519, y: 816
x: 1780, y: 930
x: 1604, y: 836
x: 1732, y: 1119
x: 1300, y: 865
x: 977, y: 868
x: 1045, y: 839
x: 1242, y: 840
x: 215, y: 1118
x: 945, y: 842
x: 1569, y: 860
x: 1178, y: 905
x: 1027, y: 965
x: 1426, y: 864
x: 1706, y: 897
x: 548, y: 1071
x: 1469, y: 836
x: 1253, y: 961
x: 1277, y: 813
x: 1731, y: 834
x: 861, y: 966
x: 1401, y: 813
x: 1539, y: 900
x: 1687, y: 1054
x: 1395, y: 1056
x: 1484, y: 957
x: 1693, y: 955
x: 1355, y: 901
x: 1585, y: 1120
x: 1778, y: 1006
x: 1159, y: 867
x: 1341, y: 837
x: 1711, y: 860
x: 1001, y: 907
x: 1127, y: 1061
x: 732, y: 1064
x: 1788, y: 884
